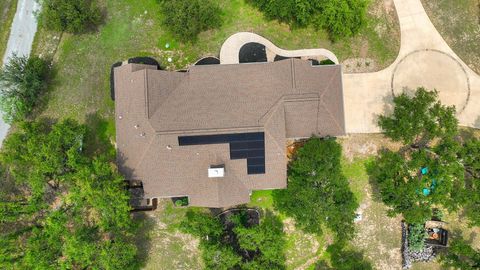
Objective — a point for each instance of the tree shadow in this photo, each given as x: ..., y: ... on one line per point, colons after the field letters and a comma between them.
x: 343, y: 258
x: 100, y: 136
x: 145, y: 224
x: 371, y: 171
x: 46, y: 93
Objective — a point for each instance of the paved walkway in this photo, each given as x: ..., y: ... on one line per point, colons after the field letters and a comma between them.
x: 231, y: 48
x: 22, y: 32
x: 425, y: 59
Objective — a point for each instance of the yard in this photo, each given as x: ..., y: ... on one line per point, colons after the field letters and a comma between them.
x: 132, y: 28
x: 458, y: 21
x: 7, y: 12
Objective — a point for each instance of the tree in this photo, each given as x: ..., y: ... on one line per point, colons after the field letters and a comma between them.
x: 185, y: 19
x: 470, y: 157
x: 73, y: 16
x: 339, y: 18
x: 460, y: 255
x: 419, y: 119
x: 267, y: 238
x: 22, y: 81
x: 343, y: 18
x: 318, y: 193
x: 66, y: 210
x: 237, y: 244
x: 425, y: 171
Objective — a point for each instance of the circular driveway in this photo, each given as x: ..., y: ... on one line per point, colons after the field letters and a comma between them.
x: 433, y: 69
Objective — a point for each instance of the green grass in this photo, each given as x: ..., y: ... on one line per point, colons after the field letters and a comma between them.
x: 7, y: 12
x: 262, y: 199
x: 357, y: 176
x: 458, y: 21
x: 80, y: 84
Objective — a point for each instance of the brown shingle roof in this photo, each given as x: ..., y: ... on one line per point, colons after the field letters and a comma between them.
x: 285, y: 99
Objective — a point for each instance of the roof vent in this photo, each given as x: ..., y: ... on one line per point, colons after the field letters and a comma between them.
x: 216, y: 171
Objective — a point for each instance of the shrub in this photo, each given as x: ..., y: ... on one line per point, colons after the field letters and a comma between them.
x: 339, y: 18
x: 416, y: 236
x: 22, y: 80
x: 185, y: 19
x: 73, y: 16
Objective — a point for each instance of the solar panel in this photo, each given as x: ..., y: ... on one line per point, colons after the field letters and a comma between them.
x: 250, y: 146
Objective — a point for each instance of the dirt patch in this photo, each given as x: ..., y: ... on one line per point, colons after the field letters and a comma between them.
x: 377, y: 235
x: 365, y: 145
x: 459, y: 24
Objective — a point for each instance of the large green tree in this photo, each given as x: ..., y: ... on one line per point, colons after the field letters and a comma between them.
x: 61, y: 209
x: 469, y: 156
x: 318, y: 193
x: 426, y: 170
x: 73, y: 16
x: 187, y: 18
x: 240, y: 245
x: 22, y: 81
x: 460, y: 255
x: 340, y: 19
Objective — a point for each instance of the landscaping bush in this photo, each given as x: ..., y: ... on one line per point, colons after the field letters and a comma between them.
x: 340, y: 19
x: 318, y: 194
x: 22, y: 81
x: 185, y: 19
x: 73, y: 16
x: 416, y: 236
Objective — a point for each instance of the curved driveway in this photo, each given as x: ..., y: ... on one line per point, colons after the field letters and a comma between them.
x: 424, y: 59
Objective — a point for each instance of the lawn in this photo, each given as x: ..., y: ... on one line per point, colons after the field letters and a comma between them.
x: 458, y: 21
x: 7, y: 12
x: 132, y: 28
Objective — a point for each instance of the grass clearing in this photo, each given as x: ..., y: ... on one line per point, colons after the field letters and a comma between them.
x: 458, y: 21
x: 7, y: 12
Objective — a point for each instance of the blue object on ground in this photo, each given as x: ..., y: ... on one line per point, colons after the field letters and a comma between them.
x: 424, y: 170
x: 426, y: 191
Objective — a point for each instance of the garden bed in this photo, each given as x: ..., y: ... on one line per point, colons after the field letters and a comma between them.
x: 252, y: 52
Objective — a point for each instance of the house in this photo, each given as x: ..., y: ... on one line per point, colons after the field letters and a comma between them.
x: 217, y: 132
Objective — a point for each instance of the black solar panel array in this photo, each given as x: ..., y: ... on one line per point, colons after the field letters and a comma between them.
x: 250, y: 146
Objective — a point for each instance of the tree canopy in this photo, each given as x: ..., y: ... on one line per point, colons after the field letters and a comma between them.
x: 22, y: 81
x: 318, y: 193
x: 185, y: 19
x: 61, y: 209
x: 428, y: 170
x: 419, y: 119
x: 339, y: 18
x: 239, y: 245
x: 73, y: 16
x: 461, y: 255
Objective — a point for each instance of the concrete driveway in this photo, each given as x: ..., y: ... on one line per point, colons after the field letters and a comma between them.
x: 425, y: 59
x: 23, y: 29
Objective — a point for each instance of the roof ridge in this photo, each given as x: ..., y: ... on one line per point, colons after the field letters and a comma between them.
x: 169, y: 93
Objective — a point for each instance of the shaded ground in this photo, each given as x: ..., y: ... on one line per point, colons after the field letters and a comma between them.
x: 458, y: 21
x: 7, y: 12
x: 162, y: 246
